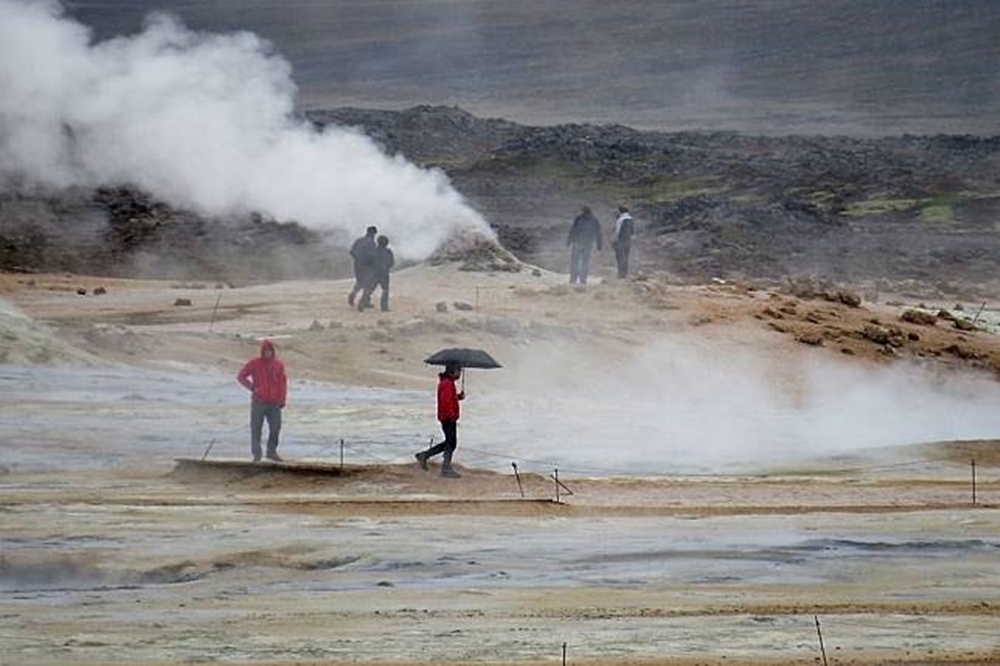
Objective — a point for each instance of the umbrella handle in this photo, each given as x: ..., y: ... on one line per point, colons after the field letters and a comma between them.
x: 463, y: 381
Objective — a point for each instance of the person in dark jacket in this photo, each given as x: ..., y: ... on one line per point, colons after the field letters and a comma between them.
x: 448, y: 398
x: 583, y: 235
x: 621, y: 240
x: 265, y: 378
x: 382, y: 265
x: 363, y: 253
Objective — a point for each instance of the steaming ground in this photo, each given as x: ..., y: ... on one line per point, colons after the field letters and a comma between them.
x: 601, y: 380
x: 729, y: 482
x: 203, y: 121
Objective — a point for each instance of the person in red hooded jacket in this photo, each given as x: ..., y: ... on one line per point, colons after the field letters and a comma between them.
x: 448, y: 398
x: 264, y: 377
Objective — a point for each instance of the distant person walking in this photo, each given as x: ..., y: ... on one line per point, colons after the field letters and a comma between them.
x: 363, y: 253
x: 381, y: 267
x: 264, y: 377
x: 583, y: 235
x: 448, y: 398
x: 621, y: 240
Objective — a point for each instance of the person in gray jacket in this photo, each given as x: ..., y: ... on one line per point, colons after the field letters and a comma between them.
x: 384, y: 261
x: 583, y: 235
x: 363, y: 253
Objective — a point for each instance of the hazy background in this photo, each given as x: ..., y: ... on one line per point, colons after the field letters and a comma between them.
x: 774, y: 66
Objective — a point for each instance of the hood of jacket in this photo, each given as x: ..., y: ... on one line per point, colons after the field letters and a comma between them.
x: 264, y: 346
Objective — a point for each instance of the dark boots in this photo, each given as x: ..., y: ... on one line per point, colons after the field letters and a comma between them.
x: 446, y: 468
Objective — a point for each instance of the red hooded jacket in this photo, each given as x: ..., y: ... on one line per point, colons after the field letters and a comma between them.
x: 447, y: 398
x: 265, y: 377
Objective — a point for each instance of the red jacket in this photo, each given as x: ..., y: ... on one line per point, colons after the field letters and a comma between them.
x: 447, y: 399
x: 265, y: 378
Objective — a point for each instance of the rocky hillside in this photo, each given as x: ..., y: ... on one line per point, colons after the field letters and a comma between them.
x: 919, y: 209
x: 722, y: 204
x: 124, y: 232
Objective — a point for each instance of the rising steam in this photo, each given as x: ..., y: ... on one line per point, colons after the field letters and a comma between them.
x: 685, y: 405
x: 203, y: 121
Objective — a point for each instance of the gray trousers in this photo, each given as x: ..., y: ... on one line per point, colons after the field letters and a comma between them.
x: 259, y: 411
x: 579, y: 263
x: 366, y: 296
x: 621, y: 257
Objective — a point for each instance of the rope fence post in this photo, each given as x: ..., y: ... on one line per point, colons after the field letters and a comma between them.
x: 981, y: 308
x: 211, y: 321
x: 341, y: 454
x: 518, y: 477
x: 973, y: 481
x: 209, y: 448
x: 819, y: 632
x: 559, y: 485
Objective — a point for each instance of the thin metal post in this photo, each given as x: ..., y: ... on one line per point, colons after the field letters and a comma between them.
x: 212, y: 443
x: 477, y: 298
x: 518, y: 477
x: 819, y: 632
x: 559, y: 484
x: 981, y: 308
x: 211, y: 322
x: 341, y: 454
x: 564, y: 654
x: 973, y: 480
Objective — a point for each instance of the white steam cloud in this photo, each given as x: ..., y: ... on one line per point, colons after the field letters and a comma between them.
x: 203, y: 121
x: 683, y: 405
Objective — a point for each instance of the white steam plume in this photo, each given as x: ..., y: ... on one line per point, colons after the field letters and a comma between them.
x: 682, y: 405
x: 203, y: 121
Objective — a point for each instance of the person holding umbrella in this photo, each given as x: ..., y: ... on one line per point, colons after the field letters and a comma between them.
x: 448, y: 398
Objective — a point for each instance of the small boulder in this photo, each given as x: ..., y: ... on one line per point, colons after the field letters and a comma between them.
x: 919, y: 317
x: 811, y: 339
x: 882, y: 335
x: 768, y: 312
x: 848, y: 298
x: 461, y: 305
x: 182, y: 302
x: 81, y: 291
x: 441, y: 306
x: 944, y: 314
x: 98, y: 291
x: 961, y: 352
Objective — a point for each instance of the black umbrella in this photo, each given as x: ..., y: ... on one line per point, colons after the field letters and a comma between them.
x: 463, y: 358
